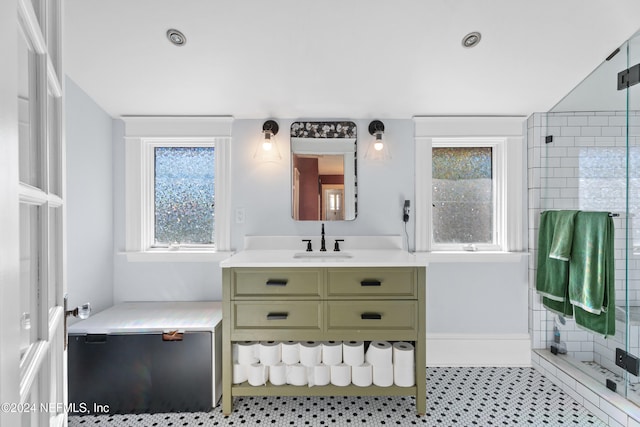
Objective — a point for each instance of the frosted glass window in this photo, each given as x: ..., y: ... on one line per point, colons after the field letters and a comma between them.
x: 463, y: 210
x: 184, y: 195
x: 603, y: 179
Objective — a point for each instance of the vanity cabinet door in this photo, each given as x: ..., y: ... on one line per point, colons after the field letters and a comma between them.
x: 379, y: 316
x: 396, y: 283
x: 277, y: 283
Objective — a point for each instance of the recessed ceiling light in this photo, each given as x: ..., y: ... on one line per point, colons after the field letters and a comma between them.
x: 471, y: 39
x: 176, y: 37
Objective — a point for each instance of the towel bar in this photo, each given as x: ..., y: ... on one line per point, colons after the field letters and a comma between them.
x: 611, y: 214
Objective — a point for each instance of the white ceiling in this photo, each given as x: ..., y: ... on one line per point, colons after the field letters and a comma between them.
x: 338, y: 58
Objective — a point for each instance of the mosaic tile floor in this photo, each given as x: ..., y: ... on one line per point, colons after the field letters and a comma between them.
x: 455, y: 396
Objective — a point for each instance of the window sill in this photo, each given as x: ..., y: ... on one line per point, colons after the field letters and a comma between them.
x: 177, y: 256
x: 477, y: 256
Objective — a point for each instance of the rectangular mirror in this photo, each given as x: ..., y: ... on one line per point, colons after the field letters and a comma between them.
x: 323, y: 171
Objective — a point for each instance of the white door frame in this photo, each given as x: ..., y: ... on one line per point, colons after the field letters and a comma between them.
x: 9, y: 255
x: 32, y: 378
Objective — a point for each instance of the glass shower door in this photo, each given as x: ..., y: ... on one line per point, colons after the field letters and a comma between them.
x: 587, y: 166
x: 632, y: 236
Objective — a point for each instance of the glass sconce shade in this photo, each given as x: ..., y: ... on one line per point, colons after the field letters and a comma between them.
x: 267, y: 148
x: 378, y: 148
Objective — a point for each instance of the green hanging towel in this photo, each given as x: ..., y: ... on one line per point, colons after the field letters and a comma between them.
x: 562, y: 235
x: 552, y: 277
x: 592, y: 272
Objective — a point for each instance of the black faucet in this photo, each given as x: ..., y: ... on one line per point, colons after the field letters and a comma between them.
x: 323, y: 248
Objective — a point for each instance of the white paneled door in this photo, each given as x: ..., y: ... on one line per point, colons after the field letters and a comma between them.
x: 32, y: 216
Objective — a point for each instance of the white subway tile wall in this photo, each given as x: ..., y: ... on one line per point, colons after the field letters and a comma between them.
x: 585, y: 168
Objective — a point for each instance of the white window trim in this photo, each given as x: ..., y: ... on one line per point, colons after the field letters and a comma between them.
x: 142, y: 134
x: 508, y: 132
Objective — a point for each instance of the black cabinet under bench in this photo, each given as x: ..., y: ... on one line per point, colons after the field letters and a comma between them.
x: 146, y: 358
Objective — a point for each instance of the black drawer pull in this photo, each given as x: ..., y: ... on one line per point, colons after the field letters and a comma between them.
x: 277, y: 316
x: 368, y: 282
x: 277, y: 282
x: 371, y: 316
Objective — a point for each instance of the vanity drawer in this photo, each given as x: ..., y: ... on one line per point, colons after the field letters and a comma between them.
x: 372, y: 315
x: 299, y: 315
x: 372, y: 282
x: 276, y: 282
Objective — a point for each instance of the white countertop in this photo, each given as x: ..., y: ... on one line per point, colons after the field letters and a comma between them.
x: 147, y: 317
x: 291, y: 258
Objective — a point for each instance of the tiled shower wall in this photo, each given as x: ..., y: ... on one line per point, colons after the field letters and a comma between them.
x: 583, y: 168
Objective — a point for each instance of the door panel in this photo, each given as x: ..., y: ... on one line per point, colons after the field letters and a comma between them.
x: 633, y: 223
x: 33, y: 365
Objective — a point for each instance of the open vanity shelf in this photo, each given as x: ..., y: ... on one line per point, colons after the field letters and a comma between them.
x: 245, y: 389
x: 324, y: 301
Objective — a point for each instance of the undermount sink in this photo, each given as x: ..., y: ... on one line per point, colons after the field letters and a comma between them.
x: 323, y: 255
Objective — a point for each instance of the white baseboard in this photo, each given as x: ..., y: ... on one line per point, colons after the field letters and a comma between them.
x: 478, y: 350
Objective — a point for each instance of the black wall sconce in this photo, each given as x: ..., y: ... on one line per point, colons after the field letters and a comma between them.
x: 378, y: 149
x: 267, y: 149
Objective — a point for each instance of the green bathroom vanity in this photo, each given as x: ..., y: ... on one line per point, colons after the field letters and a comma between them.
x: 368, y: 295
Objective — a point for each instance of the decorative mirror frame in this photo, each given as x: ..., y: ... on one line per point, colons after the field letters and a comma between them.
x: 328, y: 131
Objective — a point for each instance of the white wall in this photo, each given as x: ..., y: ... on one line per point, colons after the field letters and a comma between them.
x: 264, y: 189
x: 462, y: 298
x: 153, y: 281
x: 477, y: 298
x: 89, y: 201
x: 476, y: 312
